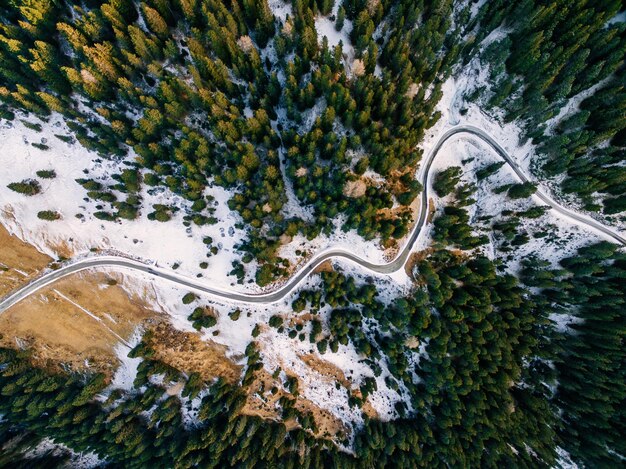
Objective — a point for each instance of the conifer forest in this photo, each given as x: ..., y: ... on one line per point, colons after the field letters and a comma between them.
x: 475, y: 150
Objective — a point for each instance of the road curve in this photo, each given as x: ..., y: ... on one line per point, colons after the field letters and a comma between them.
x: 281, y: 292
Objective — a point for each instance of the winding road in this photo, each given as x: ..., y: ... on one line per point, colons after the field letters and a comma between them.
x: 281, y: 292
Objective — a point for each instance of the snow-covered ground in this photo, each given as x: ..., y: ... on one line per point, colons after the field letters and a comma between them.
x: 325, y: 27
x: 127, y: 371
x: 165, y: 244
x: 457, y: 110
x: 471, y: 155
x: 277, y: 349
x: 48, y: 447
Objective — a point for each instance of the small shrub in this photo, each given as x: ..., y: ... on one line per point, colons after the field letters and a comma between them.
x: 446, y: 180
x: 89, y: 184
x: 201, y: 318
x: 46, y: 174
x: 151, y: 179
x: 106, y: 216
x: 275, y: 321
x: 64, y: 138
x: 189, y: 298
x: 522, y: 191
x: 49, y: 215
x: 6, y: 114
x: 104, y: 196
x: 484, y: 173
x: 31, y: 126
x: 28, y: 187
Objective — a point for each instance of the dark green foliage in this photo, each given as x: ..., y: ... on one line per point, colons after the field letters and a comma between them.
x: 522, y: 191
x: 120, y: 436
x: 148, y: 71
x: 185, y: 88
x: 46, y: 174
x: 189, y: 298
x: 201, y: 317
x: 591, y: 392
x: 554, y: 51
x: 275, y: 321
x: 105, y: 216
x: 28, y: 187
x: 49, y: 215
x: 533, y: 212
x: 446, y: 180
x: 341, y: 17
x: 483, y: 381
x: 484, y: 173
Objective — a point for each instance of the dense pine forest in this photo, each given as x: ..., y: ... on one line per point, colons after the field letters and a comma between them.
x: 189, y: 94
x: 497, y: 384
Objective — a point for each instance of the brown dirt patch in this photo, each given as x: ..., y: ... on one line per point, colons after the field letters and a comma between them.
x: 369, y: 410
x: 263, y: 403
x: 285, y: 239
x: 355, y: 189
x: 326, y: 266
x: 414, y: 258
x: 431, y: 210
x: 333, y: 373
x: 78, y: 321
x: 302, y: 318
x: 19, y: 261
x: 63, y: 249
x: 188, y: 352
x: 326, y: 369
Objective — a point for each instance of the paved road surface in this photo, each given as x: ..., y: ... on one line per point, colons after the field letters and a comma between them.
x: 202, y: 285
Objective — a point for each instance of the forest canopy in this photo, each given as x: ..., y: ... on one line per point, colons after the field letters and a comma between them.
x: 187, y: 95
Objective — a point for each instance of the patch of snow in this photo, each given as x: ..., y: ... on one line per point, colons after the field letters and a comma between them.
x: 166, y: 243
x: 280, y: 9
x: 127, y: 371
x: 48, y: 446
x: 564, y: 460
x: 326, y: 28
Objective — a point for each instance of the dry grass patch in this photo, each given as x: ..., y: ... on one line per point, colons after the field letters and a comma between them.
x: 326, y: 266
x: 19, y: 261
x: 264, y: 394
x: 78, y: 321
x: 188, y: 352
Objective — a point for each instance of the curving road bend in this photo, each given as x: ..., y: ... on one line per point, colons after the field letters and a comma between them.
x: 316, y: 260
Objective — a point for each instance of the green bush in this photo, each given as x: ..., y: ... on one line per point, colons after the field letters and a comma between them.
x: 522, y: 191
x: 49, y: 215
x: 106, y: 216
x: 275, y: 321
x: 89, y: 184
x: 47, y: 174
x: 484, y: 173
x: 446, y: 180
x: 28, y: 187
x: 189, y: 298
x: 29, y: 125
